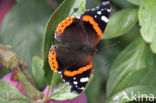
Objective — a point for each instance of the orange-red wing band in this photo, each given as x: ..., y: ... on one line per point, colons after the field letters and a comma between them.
x: 94, y: 24
x: 52, y: 59
x: 62, y: 26
x: 79, y: 71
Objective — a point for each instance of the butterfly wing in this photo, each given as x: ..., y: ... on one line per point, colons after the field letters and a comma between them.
x: 96, y: 19
x: 74, y: 66
x: 78, y: 81
x: 70, y: 30
x: 88, y: 29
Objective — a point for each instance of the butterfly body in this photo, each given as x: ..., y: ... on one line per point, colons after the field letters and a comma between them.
x: 79, y: 36
x: 83, y: 48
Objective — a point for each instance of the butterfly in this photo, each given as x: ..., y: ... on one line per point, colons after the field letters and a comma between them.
x: 73, y: 59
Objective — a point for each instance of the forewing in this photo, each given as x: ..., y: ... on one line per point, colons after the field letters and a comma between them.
x: 96, y: 20
x: 70, y: 30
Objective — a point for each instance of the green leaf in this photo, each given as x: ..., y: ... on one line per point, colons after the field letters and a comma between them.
x: 129, y: 36
x: 92, y: 3
x: 133, y: 70
x: 10, y: 94
x: 4, y: 72
x: 147, y: 21
x: 62, y: 92
x: 56, y: 78
x: 135, y: 2
x: 120, y: 23
x: 132, y: 93
x: 38, y: 72
x: 23, y: 28
x: 96, y: 84
x: 121, y: 3
x: 67, y: 8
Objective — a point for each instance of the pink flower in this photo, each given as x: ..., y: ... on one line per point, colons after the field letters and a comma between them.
x: 10, y: 78
x: 80, y: 99
x: 45, y: 91
x: 1, y: 66
x: 5, y: 6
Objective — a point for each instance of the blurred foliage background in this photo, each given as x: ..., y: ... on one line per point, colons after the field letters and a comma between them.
x: 127, y: 50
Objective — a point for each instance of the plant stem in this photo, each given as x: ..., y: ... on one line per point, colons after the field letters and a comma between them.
x: 46, y: 95
x: 10, y: 60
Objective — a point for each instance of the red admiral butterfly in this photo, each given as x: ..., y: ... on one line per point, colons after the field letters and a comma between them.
x: 79, y: 36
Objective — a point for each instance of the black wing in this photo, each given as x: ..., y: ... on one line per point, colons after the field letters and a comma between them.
x: 85, y: 30
x: 77, y: 82
x: 75, y: 66
x: 100, y: 14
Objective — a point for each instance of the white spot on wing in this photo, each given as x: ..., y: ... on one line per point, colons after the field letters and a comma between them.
x: 59, y: 72
x: 55, y: 35
x: 105, y: 19
x: 108, y: 10
x: 99, y: 12
x: 75, y: 82
x: 98, y: 7
x: 82, y: 88
x: 95, y: 16
x: 84, y: 79
x: 68, y: 83
x: 93, y: 9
